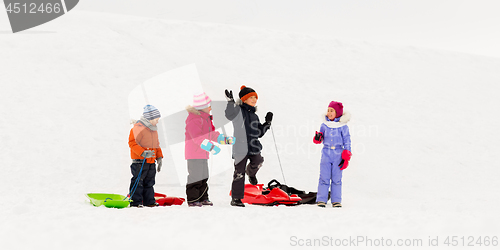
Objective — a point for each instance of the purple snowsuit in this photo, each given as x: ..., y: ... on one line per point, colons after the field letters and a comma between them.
x: 336, y: 139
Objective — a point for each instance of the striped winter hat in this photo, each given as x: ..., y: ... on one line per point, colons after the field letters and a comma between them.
x: 201, y: 101
x: 151, y: 113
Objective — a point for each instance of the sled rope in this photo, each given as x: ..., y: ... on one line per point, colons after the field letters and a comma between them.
x: 279, y: 160
x: 136, y: 183
x: 197, y: 199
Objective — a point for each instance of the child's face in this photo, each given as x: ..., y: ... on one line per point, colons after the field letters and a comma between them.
x: 207, y: 110
x: 155, y: 121
x: 252, y: 101
x: 331, y: 114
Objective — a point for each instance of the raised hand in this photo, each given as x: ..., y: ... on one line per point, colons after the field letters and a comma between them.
x: 229, y: 95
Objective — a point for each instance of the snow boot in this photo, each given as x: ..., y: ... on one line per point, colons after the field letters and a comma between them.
x: 207, y: 202
x: 237, y: 203
x: 153, y: 205
x: 195, y: 204
x: 321, y: 204
x: 253, y: 180
x: 336, y: 205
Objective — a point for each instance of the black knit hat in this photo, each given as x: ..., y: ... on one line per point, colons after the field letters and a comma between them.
x: 246, y: 92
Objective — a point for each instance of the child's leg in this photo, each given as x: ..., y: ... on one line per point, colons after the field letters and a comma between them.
x: 336, y: 183
x: 204, y: 184
x: 325, y: 172
x: 195, y: 179
x: 254, y: 165
x: 238, y: 186
x: 137, y: 196
x: 148, y: 192
x: 193, y: 191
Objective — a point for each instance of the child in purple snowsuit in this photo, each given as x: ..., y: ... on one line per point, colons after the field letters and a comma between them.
x: 335, y: 155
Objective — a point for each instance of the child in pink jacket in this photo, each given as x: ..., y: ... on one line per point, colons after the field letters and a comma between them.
x: 199, y: 143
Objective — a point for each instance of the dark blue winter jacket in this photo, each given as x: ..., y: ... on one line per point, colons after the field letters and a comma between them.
x: 247, y: 129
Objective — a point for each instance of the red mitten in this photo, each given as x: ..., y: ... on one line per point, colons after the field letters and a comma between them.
x: 346, y: 156
x: 318, y: 138
x: 343, y: 164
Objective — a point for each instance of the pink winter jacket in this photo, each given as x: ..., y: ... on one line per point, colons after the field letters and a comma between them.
x: 199, y: 127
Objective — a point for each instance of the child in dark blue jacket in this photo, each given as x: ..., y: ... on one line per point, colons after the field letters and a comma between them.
x: 247, y: 147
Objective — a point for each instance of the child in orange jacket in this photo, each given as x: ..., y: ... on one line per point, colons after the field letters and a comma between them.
x: 144, y: 151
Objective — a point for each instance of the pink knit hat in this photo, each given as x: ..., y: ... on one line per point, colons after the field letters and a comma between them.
x: 201, y: 101
x: 339, y: 108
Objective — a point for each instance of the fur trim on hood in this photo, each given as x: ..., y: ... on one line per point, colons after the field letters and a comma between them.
x: 191, y: 109
x: 344, y: 119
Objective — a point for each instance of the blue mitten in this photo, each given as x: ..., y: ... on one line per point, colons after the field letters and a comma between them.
x: 225, y: 140
x: 207, y: 145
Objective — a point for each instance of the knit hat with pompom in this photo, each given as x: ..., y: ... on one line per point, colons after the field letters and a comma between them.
x: 246, y: 92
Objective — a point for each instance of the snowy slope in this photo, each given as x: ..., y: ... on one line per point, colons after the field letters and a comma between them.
x: 422, y: 130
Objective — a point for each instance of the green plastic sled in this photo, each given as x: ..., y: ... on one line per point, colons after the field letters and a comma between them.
x: 108, y: 200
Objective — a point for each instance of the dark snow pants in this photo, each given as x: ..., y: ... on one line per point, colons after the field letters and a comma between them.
x: 144, y: 193
x: 197, y: 187
x: 240, y: 168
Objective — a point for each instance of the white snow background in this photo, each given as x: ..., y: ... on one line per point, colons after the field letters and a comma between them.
x: 423, y: 131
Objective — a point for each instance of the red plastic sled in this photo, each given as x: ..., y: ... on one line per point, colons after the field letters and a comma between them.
x: 255, y: 194
x: 163, y: 200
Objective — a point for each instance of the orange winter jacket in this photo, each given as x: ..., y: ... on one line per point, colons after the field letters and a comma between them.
x: 142, y: 138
